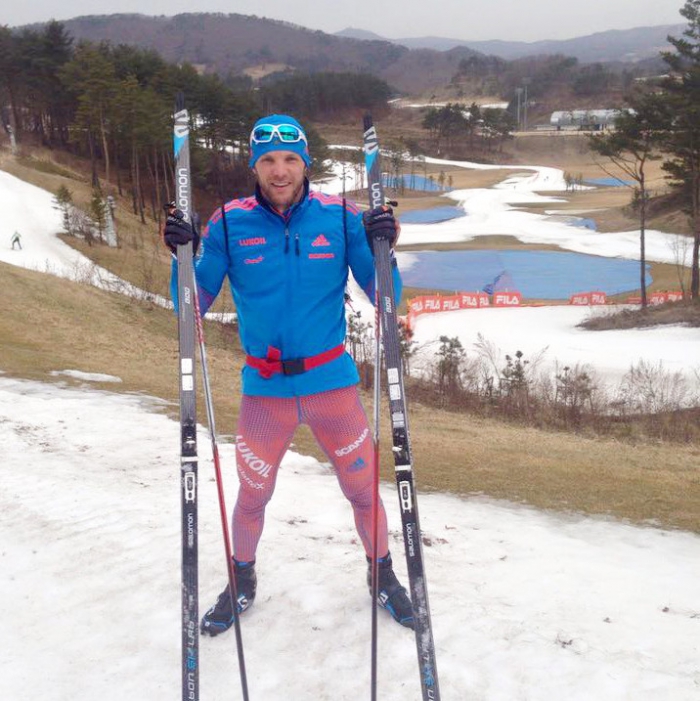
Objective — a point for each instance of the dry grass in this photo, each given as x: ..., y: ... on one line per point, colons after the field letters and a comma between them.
x: 492, y: 242
x: 570, y: 152
x: 610, y: 208
x: 643, y: 483
x: 686, y: 313
x: 52, y: 324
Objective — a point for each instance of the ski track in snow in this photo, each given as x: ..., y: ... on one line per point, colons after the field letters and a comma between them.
x: 525, y: 605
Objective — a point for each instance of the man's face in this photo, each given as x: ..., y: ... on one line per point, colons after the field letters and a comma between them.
x: 281, y: 178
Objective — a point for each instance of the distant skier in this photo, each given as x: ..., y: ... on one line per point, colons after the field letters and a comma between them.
x: 15, y: 241
x: 286, y: 252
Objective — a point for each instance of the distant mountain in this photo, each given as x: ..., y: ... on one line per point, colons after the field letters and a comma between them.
x: 625, y: 45
x: 224, y: 43
x: 232, y: 43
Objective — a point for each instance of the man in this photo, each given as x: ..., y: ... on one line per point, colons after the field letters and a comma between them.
x: 15, y: 240
x: 286, y: 252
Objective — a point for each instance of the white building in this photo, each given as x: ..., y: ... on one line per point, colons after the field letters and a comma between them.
x: 584, y: 119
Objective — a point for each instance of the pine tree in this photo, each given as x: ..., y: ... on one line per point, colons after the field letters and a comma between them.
x: 450, y: 363
x: 682, y: 91
x: 631, y: 146
x: 98, y: 212
x: 91, y: 76
x: 63, y: 201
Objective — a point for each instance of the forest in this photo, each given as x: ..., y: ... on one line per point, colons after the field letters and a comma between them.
x: 113, y: 105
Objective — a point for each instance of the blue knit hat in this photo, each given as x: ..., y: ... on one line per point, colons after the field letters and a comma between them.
x: 300, y: 147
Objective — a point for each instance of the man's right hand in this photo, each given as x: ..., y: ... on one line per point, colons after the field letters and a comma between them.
x: 179, y: 232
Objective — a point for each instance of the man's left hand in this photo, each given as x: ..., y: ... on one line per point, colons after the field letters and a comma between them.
x: 381, y: 225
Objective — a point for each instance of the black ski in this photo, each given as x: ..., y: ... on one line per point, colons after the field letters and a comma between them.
x: 188, y: 420
x: 403, y: 461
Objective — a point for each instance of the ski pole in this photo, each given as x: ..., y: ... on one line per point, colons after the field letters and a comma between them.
x: 221, y: 498
x: 375, y: 493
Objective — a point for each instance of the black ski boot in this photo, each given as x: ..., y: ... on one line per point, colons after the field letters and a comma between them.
x: 219, y: 617
x: 391, y: 595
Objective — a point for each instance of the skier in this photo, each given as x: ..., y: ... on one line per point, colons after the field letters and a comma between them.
x: 286, y: 252
x: 16, y: 240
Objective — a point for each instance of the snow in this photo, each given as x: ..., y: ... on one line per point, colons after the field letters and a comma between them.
x: 558, y: 341
x: 339, y: 172
x: 526, y: 604
x: 494, y: 212
x: 31, y: 211
x: 87, y: 376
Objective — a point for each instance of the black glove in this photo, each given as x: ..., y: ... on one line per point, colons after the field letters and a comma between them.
x: 380, y: 225
x: 179, y: 232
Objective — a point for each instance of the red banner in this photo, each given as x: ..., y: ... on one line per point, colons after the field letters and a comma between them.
x: 655, y: 298
x: 586, y: 299
x: 473, y: 300
x: 507, y: 299
x: 445, y: 303
x: 448, y: 303
x: 583, y: 299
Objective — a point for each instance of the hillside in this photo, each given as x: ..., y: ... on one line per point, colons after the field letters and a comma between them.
x: 260, y: 48
x: 236, y: 44
x: 232, y: 43
x: 51, y: 324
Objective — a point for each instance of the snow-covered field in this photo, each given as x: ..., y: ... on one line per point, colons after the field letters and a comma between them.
x: 550, y: 336
x: 526, y: 605
x: 549, y: 333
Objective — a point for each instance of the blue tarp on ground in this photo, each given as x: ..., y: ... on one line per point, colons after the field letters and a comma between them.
x: 585, y: 223
x: 431, y: 216
x: 414, y: 182
x: 536, y: 274
x: 607, y: 182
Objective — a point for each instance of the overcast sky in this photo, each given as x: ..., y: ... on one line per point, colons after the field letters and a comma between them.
x: 524, y: 20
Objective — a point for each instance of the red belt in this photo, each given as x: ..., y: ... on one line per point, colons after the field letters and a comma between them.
x: 273, y: 363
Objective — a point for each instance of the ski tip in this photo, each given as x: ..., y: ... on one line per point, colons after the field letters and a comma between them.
x: 368, y: 121
x: 180, y: 101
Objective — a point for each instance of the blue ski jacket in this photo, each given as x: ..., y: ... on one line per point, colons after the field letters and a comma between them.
x: 287, y: 275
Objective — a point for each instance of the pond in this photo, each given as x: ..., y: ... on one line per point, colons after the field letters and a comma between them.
x: 431, y: 216
x: 413, y: 182
x: 536, y: 274
x: 608, y: 182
